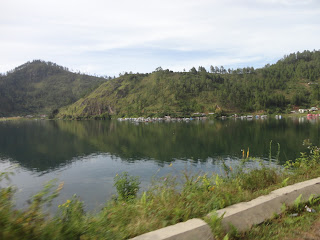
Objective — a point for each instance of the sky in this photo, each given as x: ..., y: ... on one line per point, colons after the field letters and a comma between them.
x: 105, y: 37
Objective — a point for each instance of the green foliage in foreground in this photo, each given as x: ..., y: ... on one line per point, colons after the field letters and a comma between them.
x: 169, y: 200
x: 127, y: 186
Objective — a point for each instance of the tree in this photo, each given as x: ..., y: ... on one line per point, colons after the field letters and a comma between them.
x: 193, y: 70
x: 53, y: 113
x: 159, y: 69
x: 202, y: 69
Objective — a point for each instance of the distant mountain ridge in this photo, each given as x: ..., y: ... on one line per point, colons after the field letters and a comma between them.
x: 290, y: 83
x: 41, y: 87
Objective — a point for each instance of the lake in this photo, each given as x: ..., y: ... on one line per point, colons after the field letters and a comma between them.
x: 86, y: 155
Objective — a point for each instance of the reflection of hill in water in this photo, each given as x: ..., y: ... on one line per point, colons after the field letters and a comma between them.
x: 45, y: 145
x: 40, y: 145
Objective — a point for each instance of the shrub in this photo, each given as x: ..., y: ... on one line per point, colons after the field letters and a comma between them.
x: 127, y: 186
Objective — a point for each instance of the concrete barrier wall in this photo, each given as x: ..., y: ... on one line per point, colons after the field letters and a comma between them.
x: 242, y: 215
x: 189, y: 230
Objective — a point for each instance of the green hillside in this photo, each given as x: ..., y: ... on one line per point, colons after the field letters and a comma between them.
x: 292, y: 82
x: 40, y: 87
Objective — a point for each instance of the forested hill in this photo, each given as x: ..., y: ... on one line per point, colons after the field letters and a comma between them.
x: 292, y: 82
x: 41, y: 87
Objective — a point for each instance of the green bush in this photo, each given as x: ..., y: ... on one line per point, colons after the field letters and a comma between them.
x: 127, y: 186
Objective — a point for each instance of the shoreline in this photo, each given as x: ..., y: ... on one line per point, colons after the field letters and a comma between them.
x: 202, y: 117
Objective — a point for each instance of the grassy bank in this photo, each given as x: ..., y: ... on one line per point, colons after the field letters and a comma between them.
x: 169, y: 200
x: 10, y: 119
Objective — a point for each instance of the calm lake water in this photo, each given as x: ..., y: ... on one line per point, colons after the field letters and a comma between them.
x: 86, y: 155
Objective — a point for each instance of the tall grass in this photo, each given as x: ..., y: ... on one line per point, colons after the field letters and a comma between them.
x: 169, y: 200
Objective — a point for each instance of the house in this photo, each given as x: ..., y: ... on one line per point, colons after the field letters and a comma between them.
x: 313, y: 109
x: 303, y: 110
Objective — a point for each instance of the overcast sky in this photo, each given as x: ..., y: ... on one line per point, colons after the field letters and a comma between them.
x: 107, y: 37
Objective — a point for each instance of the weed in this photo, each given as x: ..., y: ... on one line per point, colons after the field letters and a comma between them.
x: 297, y: 203
x: 127, y: 186
x: 215, y: 224
x: 284, y: 183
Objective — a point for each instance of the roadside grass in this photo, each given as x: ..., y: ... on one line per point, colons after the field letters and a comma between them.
x: 169, y: 200
x: 292, y: 223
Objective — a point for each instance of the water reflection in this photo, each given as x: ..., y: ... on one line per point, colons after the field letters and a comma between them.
x: 48, y: 145
x: 86, y: 155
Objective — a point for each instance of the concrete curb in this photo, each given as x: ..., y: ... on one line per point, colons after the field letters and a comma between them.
x: 246, y: 214
x: 189, y: 230
x: 242, y: 215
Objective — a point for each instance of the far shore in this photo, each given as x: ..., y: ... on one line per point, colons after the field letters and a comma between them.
x: 3, y: 119
x: 198, y: 116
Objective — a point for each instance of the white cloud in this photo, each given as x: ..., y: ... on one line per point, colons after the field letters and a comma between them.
x: 108, y: 37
